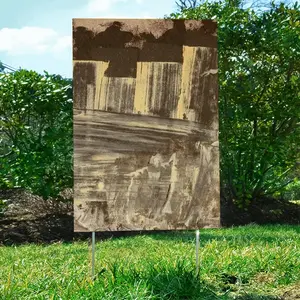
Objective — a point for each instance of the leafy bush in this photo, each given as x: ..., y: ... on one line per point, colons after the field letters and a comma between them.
x: 259, y: 92
x: 36, y: 132
x: 292, y: 191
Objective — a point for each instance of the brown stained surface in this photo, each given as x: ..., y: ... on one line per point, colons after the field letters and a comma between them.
x: 145, y: 125
x: 89, y: 34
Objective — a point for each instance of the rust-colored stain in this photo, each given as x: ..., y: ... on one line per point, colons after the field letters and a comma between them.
x: 145, y: 125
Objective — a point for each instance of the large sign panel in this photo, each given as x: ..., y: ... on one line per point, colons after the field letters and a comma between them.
x: 146, y: 153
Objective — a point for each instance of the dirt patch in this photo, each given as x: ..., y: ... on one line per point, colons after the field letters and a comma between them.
x: 262, y: 211
x: 31, y: 219
x: 292, y: 293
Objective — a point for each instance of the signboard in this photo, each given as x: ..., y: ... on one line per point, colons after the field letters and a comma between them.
x: 146, y: 153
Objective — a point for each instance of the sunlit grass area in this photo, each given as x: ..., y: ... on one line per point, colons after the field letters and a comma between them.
x: 250, y: 262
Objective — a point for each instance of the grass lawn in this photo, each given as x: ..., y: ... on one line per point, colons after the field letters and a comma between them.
x: 250, y: 262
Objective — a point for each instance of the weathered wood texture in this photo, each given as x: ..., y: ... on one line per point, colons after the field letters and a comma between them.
x: 145, y: 125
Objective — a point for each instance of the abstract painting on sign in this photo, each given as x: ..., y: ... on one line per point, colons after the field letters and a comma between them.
x: 146, y: 152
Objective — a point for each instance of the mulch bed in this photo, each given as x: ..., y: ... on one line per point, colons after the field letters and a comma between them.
x: 261, y: 211
x: 30, y: 219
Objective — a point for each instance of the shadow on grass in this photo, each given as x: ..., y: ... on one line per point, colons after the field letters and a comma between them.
x: 55, y: 228
x: 159, y: 282
x: 268, y: 234
x: 255, y: 234
x: 178, y: 283
x: 163, y: 282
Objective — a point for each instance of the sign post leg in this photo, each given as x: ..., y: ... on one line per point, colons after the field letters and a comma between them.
x: 93, y: 255
x: 197, y: 251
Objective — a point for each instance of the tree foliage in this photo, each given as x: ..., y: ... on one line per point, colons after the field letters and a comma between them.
x: 186, y: 4
x: 259, y: 96
x: 36, y: 132
x: 1, y: 67
x: 259, y: 92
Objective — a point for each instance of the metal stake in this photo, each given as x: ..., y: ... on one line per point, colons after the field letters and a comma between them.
x: 93, y: 254
x: 197, y: 251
